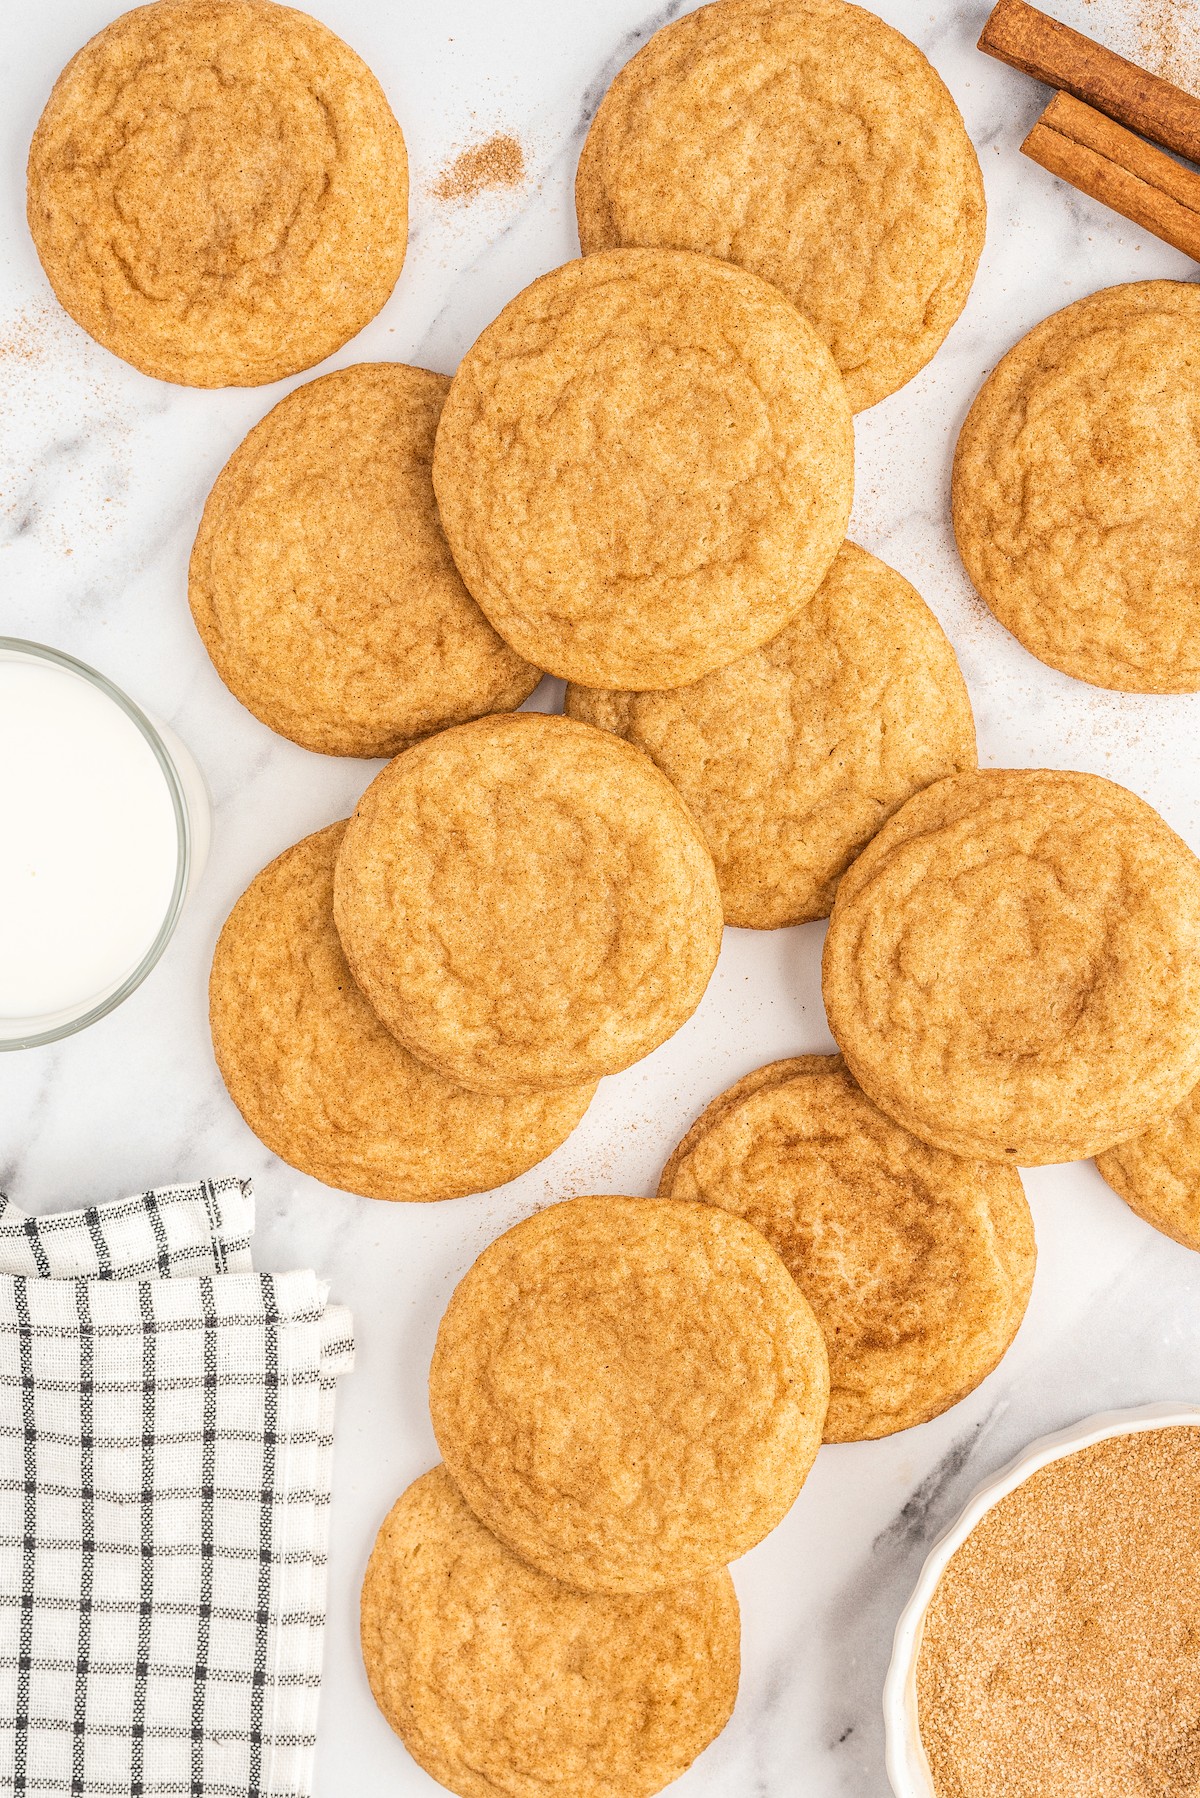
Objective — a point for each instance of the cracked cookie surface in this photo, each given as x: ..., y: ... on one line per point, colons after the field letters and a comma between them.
x: 629, y: 1392
x: 527, y: 903
x: 792, y: 757
x: 644, y: 468
x: 1074, y: 489
x: 323, y: 1084
x: 218, y: 191
x: 501, y: 1680
x: 918, y: 1264
x: 813, y: 144
x: 322, y: 584
x: 1158, y: 1173
x: 1012, y: 969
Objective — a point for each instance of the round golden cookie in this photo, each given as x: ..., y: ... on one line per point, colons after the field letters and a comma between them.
x: 1074, y: 490
x: 1158, y: 1173
x: 917, y: 1264
x: 323, y: 1084
x: 527, y: 903
x: 218, y: 191
x: 791, y: 758
x: 322, y: 584
x: 501, y: 1680
x: 644, y: 468
x: 629, y: 1393
x: 809, y: 142
x: 1012, y: 969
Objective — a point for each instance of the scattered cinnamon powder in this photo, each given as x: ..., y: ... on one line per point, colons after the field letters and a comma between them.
x: 1061, y: 1652
x: 1169, y: 40
x: 497, y: 162
x: 23, y: 337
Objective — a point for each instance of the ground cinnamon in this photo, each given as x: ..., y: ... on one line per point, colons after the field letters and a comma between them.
x: 1169, y: 36
x: 498, y: 161
x: 1061, y: 1651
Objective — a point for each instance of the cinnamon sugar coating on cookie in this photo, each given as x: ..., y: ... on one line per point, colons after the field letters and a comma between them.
x: 218, y: 191
x: 321, y: 581
x: 813, y: 144
x: 502, y: 1680
x: 527, y: 903
x: 792, y: 757
x: 1012, y: 969
x: 918, y: 1264
x: 1074, y: 489
x: 644, y: 467
x: 629, y: 1392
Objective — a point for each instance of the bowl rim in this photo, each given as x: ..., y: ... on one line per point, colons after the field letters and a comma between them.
x: 907, y: 1768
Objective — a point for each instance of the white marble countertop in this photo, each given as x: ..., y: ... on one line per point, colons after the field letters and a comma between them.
x: 102, y: 477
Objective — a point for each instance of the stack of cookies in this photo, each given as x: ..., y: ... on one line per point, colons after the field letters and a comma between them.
x: 630, y: 1393
x: 419, y: 1004
x: 1012, y: 972
x: 626, y: 1395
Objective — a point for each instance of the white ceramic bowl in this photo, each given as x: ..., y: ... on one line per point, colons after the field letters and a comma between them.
x: 908, y: 1769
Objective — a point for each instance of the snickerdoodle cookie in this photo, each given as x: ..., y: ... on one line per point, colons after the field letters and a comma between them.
x: 629, y: 1392
x: 1012, y: 969
x: 1075, y: 486
x: 917, y: 1264
x: 322, y: 1083
x: 322, y: 584
x: 218, y: 191
x: 503, y: 1680
x: 791, y: 758
x: 808, y: 141
x: 644, y: 467
x: 1158, y: 1173
x: 527, y: 903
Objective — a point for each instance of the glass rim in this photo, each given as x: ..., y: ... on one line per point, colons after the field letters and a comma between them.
x: 24, y: 646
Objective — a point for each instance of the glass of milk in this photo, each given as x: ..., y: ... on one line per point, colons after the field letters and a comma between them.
x: 105, y: 824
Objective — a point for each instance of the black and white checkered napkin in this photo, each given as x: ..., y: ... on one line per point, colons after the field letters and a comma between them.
x: 166, y: 1436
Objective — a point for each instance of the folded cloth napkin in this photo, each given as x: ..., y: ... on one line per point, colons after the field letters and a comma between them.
x: 166, y: 1437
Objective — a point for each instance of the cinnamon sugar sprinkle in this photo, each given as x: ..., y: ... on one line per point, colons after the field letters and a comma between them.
x: 25, y: 336
x: 497, y: 162
x: 1061, y: 1650
x: 1169, y: 40
x: 1161, y: 35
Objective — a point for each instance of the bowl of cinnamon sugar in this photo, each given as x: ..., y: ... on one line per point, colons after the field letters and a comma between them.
x: 1052, y: 1644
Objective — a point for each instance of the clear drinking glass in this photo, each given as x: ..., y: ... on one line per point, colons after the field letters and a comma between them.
x: 192, y: 810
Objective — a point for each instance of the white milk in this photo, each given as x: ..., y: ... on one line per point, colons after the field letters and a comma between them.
x: 89, y: 843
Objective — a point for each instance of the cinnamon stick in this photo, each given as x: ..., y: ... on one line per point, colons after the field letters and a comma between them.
x: 1104, y: 160
x: 1029, y: 40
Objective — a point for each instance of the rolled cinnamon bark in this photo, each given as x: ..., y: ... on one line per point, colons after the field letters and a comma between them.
x: 1029, y: 40
x: 1104, y: 160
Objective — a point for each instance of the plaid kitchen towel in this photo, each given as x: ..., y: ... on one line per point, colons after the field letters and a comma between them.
x: 166, y: 1432
x: 178, y: 1230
